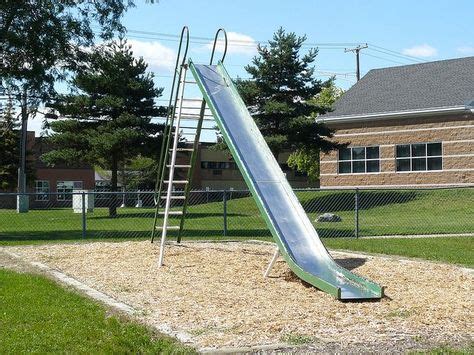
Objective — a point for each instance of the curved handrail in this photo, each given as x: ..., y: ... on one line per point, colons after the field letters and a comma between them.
x: 184, y: 31
x: 215, y: 43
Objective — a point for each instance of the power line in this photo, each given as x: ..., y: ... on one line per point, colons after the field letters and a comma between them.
x: 242, y: 41
x: 248, y: 43
x: 397, y: 53
x: 389, y: 60
x: 205, y: 40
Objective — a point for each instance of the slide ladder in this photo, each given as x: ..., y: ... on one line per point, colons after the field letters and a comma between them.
x: 172, y: 188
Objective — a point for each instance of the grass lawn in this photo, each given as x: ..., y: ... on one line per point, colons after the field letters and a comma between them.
x: 456, y: 250
x: 37, y: 315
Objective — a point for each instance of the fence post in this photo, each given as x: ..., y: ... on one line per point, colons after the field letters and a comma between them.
x: 84, y: 220
x: 224, y: 201
x: 356, y: 213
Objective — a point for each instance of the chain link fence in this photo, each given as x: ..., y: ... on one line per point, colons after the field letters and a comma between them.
x: 234, y: 214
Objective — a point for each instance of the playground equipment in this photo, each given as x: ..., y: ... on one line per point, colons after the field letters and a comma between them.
x: 295, y: 236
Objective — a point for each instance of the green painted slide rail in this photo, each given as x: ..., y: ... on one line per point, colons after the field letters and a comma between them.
x: 292, y: 230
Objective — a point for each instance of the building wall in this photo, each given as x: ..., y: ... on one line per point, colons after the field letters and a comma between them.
x: 82, y: 173
x: 230, y: 177
x: 456, y: 133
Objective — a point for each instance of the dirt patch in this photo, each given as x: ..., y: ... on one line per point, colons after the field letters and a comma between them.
x: 216, y: 293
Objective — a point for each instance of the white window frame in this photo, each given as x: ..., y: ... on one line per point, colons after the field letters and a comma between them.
x: 40, y: 193
x: 365, y: 160
x: 65, y: 195
x: 411, y: 157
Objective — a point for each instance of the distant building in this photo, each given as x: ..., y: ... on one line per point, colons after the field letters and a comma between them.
x: 60, y: 179
x: 217, y: 170
x: 407, y: 125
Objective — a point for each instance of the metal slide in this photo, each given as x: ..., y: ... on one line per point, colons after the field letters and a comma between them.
x: 292, y: 230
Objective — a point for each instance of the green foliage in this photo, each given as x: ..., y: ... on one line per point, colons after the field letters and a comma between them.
x: 41, y: 41
x: 284, y: 98
x: 328, y: 96
x: 38, y: 316
x: 141, y: 173
x: 107, y: 121
x: 305, y: 160
x: 9, y: 146
x: 280, y: 95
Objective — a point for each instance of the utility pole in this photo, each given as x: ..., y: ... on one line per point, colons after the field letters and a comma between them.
x: 356, y: 50
x: 22, y: 198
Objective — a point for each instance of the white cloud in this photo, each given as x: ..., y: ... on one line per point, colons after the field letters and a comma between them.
x: 466, y: 49
x: 422, y: 50
x: 237, y: 43
x: 154, y: 53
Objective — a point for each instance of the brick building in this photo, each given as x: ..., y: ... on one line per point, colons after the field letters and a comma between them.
x: 217, y: 170
x: 405, y: 126
x: 60, y: 179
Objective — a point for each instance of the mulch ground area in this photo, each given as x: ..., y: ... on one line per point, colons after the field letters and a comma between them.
x: 215, y: 292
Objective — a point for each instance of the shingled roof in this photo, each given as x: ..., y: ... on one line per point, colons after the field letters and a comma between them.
x: 432, y: 86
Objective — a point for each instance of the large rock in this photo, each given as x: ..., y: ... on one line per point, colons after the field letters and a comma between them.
x: 328, y: 217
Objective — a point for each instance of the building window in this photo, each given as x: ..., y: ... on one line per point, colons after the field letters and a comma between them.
x: 217, y: 165
x: 42, y: 190
x: 419, y: 157
x: 359, y: 160
x: 65, y: 189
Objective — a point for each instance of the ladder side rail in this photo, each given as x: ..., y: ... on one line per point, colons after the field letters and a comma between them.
x: 171, y: 169
x: 169, y: 125
x: 172, y: 108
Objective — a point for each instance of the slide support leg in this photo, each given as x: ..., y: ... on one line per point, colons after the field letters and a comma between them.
x: 272, y: 262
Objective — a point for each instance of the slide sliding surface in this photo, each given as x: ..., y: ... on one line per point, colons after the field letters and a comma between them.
x: 292, y: 230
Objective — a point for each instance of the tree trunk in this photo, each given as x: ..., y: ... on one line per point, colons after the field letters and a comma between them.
x: 113, y: 187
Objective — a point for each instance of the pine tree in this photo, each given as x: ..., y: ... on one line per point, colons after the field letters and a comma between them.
x: 9, y: 147
x: 108, y: 121
x: 280, y: 97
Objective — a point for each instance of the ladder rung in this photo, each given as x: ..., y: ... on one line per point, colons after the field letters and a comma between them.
x: 173, y: 197
x: 185, y: 116
x: 184, y: 166
x: 168, y: 228
x: 182, y: 149
x: 176, y: 213
x: 203, y: 128
x: 190, y: 82
x: 192, y: 100
x: 177, y: 182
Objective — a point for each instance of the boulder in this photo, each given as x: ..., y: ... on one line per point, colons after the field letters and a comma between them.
x: 328, y: 217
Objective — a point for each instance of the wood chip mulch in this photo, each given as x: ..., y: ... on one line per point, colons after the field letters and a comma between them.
x: 216, y: 293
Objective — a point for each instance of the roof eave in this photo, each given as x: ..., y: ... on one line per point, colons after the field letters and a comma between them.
x: 398, y: 114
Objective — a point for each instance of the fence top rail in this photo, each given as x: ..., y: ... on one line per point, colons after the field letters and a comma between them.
x: 309, y: 189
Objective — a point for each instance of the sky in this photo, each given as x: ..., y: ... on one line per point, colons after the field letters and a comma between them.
x: 397, y: 33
